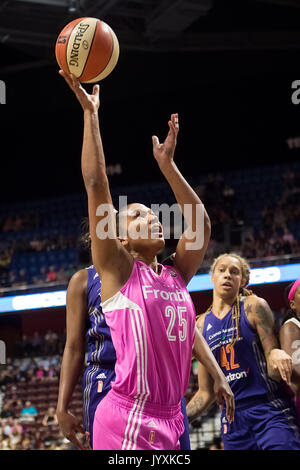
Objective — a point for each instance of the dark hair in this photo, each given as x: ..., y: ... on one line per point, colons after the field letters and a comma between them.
x: 118, y: 223
x: 85, y: 237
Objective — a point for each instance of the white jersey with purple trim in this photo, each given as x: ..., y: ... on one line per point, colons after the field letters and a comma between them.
x: 152, y: 324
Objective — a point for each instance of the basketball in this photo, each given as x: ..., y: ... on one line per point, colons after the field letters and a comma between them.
x: 87, y: 48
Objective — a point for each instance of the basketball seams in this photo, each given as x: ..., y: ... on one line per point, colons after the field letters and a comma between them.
x: 76, y: 55
x: 66, y: 32
x: 92, y: 41
x: 66, y: 49
x: 112, y: 60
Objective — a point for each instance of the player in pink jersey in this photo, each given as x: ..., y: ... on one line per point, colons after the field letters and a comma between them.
x: 147, y: 306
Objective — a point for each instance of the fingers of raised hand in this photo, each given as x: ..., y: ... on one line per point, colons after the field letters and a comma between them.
x: 175, y: 122
x: 230, y: 407
x: 73, y: 438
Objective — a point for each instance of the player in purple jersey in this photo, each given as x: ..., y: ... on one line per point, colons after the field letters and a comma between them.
x: 239, y: 329
x: 289, y: 337
x: 85, y: 325
x: 142, y: 411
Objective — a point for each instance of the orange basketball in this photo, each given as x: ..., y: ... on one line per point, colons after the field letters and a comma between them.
x: 88, y: 48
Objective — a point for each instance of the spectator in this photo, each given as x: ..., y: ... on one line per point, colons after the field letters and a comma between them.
x: 6, y: 376
x: 62, y: 276
x: 50, y: 418
x: 14, y: 403
x: 249, y: 247
x: 51, y: 244
x: 42, y: 277
x: 8, y: 425
x: 37, y: 441
x: 21, y: 279
x: 29, y: 412
x: 26, y: 345
x: 5, y: 260
x: 11, y: 278
x: 6, y: 411
x: 51, y: 339
x: 15, y: 435
x: 26, y: 443
x: 5, y: 443
x: 36, y: 343
x: 70, y: 271
x: 51, y: 372
x: 37, y: 244
x: 4, y: 280
x: 288, y: 236
x: 40, y: 373
x: 52, y: 275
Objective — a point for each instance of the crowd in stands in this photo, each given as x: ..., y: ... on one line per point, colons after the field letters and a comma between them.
x: 9, y: 249
x: 276, y: 232
x: 276, y: 237
x: 46, y: 275
x: 28, y: 395
x: 27, y: 416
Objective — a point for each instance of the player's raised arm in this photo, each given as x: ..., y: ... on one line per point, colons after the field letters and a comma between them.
x: 193, y: 242
x: 107, y: 252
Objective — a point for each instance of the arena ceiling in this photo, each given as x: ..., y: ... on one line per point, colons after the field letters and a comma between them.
x: 30, y: 27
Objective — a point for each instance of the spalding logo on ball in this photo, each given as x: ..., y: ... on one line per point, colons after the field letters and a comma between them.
x: 87, y: 48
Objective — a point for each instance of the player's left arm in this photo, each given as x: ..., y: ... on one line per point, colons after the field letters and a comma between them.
x: 193, y: 242
x: 279, y: 363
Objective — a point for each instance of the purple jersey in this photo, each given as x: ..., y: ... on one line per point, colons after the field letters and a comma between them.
x: 244, y: 364
x: 100, y: 347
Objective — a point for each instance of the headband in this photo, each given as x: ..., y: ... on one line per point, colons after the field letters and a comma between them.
x: 293, y: 290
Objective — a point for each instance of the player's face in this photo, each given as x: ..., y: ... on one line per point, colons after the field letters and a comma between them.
x: 295, y: 303
x: 227, y: 277
x: 143, y: 228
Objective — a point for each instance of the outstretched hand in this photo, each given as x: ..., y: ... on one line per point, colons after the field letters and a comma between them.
x: 69, y: 426
x: 224, y: 396
x: 164, y: 152
x: 89, y: 102
x: 281, y: 362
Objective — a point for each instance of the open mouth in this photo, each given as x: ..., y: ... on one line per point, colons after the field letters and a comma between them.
x: 227, y: 285
x: 156, y: 230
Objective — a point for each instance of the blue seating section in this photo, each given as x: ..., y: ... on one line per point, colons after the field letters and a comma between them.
x: 62, y: 216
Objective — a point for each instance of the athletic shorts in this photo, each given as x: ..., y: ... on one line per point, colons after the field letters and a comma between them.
x: 261, y: 425
x: 184, y: 440
x: 123, y: 423
x: 95, y: 386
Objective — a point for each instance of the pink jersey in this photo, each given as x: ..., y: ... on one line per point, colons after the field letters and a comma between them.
x: 152, y: 324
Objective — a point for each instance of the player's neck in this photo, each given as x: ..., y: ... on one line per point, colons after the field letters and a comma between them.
x: 221, y: 306
x: 150, y: 261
